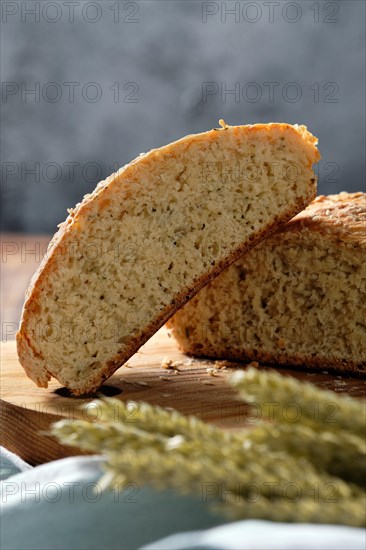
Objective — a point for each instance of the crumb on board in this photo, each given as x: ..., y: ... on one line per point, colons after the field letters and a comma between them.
x: 224, y: 364
x: 165, y: 394
x: 212, y: 371
x: 165, y: 378
x: 166, y: 363
x: 128, y: 366
x: 170, y: 365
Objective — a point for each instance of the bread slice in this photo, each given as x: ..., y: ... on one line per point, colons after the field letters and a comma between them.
x: 149, y: 237
x: 298, y: 298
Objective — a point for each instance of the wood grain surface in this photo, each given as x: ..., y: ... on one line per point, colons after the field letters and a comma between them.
x: 26, y: 411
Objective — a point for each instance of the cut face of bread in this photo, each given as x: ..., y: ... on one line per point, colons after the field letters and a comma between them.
x: 298, y: 298
x: 149, y: 237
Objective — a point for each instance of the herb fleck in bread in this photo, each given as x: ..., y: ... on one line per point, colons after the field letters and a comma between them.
x: 298, y: 298
x: 151, y: 236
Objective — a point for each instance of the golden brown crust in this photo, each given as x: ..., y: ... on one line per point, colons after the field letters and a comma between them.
x: 282, y: 359
x: 341, y: 217
x: 33, y: 363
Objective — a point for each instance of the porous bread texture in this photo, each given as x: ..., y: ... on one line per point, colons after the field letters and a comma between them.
x: 298, y: 298
x: 149, y: 237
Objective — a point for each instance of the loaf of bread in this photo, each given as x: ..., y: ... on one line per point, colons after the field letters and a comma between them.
x: 298, y: 298
x: 151, y: 236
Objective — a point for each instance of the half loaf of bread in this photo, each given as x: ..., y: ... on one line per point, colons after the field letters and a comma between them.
x: 298, y: 298
x: 151, y: 236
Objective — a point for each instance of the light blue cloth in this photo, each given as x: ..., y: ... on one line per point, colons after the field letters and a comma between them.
x: 59, y: 505
x: 266, y: 535
x: 11, y: 464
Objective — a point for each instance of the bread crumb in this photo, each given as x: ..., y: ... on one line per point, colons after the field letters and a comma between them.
x: 165, y: 378
x: 166, y: 363
x: 222, y: 364
x: 170, y: 365
x: 212, y: 371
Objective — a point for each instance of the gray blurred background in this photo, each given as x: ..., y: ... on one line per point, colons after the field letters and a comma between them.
x: 87, y: 86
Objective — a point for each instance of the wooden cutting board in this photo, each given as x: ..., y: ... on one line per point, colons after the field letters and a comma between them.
x: 26, y: 411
